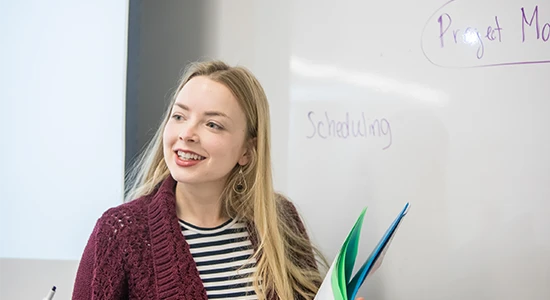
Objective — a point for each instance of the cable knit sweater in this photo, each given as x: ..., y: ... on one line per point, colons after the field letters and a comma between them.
x: 137, y: 251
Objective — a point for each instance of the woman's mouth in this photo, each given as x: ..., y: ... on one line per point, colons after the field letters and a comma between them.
x: 189, y: 156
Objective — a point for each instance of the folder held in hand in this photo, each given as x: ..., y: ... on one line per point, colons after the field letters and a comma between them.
x: 338, y: 283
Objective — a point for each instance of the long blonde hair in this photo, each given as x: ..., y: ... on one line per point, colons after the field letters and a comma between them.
x: 281, y: 246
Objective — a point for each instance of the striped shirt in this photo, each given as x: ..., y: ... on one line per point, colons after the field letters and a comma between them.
x: 224, y: 259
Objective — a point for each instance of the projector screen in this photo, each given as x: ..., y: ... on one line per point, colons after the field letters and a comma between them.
x: 62, y: 91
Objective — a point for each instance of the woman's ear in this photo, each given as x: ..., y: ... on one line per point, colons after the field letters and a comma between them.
x: 245, y: 158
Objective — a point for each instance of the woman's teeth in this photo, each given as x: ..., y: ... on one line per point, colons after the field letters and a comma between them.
x: 188, y: 156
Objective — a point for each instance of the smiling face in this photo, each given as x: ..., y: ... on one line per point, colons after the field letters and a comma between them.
x: 205, y: 135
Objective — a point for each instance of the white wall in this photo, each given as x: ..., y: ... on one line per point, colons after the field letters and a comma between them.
x: 62, y: 94
x: 256, y: 34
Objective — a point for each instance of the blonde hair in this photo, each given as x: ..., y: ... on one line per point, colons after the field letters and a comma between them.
x: 282, y: 247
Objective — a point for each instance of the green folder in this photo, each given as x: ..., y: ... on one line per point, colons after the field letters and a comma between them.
x: 338, y: 283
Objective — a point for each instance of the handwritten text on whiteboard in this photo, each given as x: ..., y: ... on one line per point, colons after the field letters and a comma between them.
x: 467, y: 33
x: 327, y: 126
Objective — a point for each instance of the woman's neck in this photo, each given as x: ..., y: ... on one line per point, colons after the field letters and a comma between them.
x: 200, y: 205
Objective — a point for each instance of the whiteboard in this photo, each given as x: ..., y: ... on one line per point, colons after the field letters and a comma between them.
x: 444, y: 105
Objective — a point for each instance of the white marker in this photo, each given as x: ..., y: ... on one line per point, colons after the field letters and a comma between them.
x: 50, y: 294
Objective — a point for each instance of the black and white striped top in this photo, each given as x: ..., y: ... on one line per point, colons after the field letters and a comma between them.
x: 223, y: 257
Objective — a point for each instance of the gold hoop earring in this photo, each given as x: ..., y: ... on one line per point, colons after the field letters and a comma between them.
x: 241, y: 186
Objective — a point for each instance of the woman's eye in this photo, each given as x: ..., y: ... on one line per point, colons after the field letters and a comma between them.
x: 213, y: 125
x: 177, y: 117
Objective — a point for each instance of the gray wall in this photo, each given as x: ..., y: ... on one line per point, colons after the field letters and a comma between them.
x: 162, y: 38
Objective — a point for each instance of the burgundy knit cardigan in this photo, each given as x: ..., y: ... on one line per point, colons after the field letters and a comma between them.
x: 137, y: 251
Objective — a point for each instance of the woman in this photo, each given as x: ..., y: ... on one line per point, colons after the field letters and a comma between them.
x: 204, y: 221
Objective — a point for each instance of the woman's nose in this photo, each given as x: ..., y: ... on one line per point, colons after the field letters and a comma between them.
x: 189, y: 133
